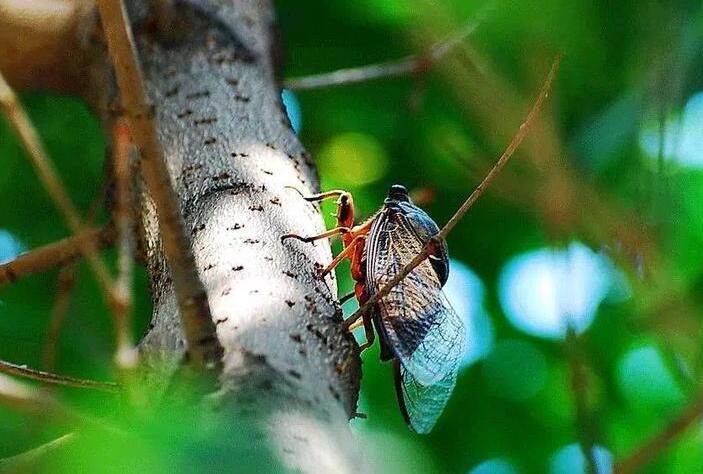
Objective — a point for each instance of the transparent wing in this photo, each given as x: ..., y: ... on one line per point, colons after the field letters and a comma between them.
x: 418, y: 323
x: 422, y: 404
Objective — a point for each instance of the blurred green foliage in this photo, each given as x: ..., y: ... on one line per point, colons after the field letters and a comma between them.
x: 630, y: 68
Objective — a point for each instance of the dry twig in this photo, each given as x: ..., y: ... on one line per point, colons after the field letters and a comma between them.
x: 648, y: 451
x: 413, y: 64
x: 54, y: 254
x: 461, y: 212
x: 52, y: 182
x: 204, y: 349
x: 50, y: 378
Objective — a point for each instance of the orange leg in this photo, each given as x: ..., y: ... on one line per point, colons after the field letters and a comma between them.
x: 347, y: 297
x: 348, y: 250
x: 324, y: 235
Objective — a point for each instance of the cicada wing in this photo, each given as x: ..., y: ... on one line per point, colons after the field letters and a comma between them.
x: 417, y: 321
x: 422, y: 405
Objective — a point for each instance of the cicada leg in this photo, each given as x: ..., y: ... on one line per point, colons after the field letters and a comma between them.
x: 347, y: 252
x: 346, y: 297
x: 324, y: 235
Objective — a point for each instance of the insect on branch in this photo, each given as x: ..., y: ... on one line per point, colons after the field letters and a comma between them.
x: 204, y: 349
x: 413, y: 64
x: 434, y: 242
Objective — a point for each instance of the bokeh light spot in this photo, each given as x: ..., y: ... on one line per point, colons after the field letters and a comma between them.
x: 494, y: 466
x: 644, y: 379
x: 545, y: 291
x: 515, y: 370
x: 10, y: 247
x: 295, y: 114
x: 353, y: 159
x: 465, y: 291
x: 570, y: 460
x: 683, y: 141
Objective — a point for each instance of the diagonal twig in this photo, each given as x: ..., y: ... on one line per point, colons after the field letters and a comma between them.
x: 55, y: 254
x: 413, y: 64
x: 50, y: 378
x: 52, y: 182
x: 461, y: 212
x: 204, y: 349
x: 647, y: 452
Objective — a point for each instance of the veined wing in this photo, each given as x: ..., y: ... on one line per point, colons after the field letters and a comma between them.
x: 422, y: 405
x: 418, y: 323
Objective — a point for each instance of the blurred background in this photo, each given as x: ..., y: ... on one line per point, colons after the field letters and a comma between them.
x: 578, y: 273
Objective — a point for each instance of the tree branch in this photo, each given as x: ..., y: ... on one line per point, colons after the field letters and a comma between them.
x: 50, y: 378
x: 55, y: 254
x: 413, y: 64
x: 461, y: 212
x: 657, y: 444
x: 204, y: 349
x: 52, y: 182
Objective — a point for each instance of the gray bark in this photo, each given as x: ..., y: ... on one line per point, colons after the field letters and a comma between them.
x: 291, y: 375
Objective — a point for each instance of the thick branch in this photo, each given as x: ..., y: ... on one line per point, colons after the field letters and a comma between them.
x: 204, y: 349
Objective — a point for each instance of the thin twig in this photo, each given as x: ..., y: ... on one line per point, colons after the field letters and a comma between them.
x: 64, y: 288
x: 126, y: 356
x: 413, y: 64
x: 55, y: 254
x: 647, y: 452
x: 461, y: 212
x: 204, y: 349
x: 579, y: 387
x: 52, y: 182
x: 65, y: 283
x: 48, y: 377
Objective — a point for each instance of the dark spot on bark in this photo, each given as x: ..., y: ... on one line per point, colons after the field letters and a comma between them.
x: 205, y: 121
x: 241, y: 98
x: 296, y: 338
x: 256, y: 208
x: 235, y: 227
x: 220, y: 321
x: 209, y: 267
x: 151, y: 326
x: 237, y: 268
x: 266, y: 385
x: 171, y: 92
x: 290, y: 303
x: 288, y: 273
x: 270, y: 173
x: 221, y: 176
x: 232, y: 81
x: 184, y: 113
x: 288, y: 451
x: 302, y: 352
x: 302, y: 439
x: 198, y: 95
x: 295, y: 374
x: 209, y: 141
x: 276, y: 201
x: 270, y: 145
x: 197, y: 229
x: 317, y: 333
x: 251, y: 241
x: 268, y: 259
x: 226, y: 291
x: 253, y: 292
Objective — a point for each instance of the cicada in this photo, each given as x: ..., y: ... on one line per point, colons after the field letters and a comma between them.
x: 418, y: 329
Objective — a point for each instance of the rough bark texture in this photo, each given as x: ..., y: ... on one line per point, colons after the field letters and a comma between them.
x: 290, y: 373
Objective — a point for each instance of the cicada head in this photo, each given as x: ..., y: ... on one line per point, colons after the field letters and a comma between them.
x: 397, y: 193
